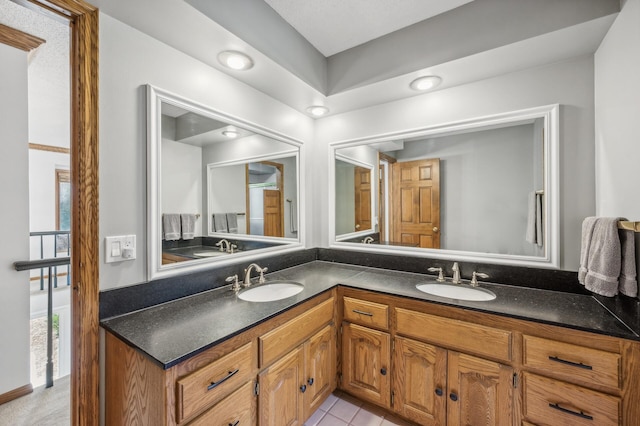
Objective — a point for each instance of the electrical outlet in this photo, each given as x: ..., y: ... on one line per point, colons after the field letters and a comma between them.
x: 120, y: 248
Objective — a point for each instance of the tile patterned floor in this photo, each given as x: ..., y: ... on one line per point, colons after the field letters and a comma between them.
x: 343, y: 410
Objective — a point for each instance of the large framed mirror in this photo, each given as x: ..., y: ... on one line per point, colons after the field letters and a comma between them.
x: 219, y: 188
x: 484, y: 189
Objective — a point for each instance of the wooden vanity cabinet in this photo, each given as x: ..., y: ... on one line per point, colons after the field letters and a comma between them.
x: 451, y: 366
x: 253, y: 378
x: 366, y: 350
x: 295, y: 386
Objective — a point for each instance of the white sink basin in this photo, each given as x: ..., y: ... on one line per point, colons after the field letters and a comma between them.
x: 272, y: 291
x: 457, y: 291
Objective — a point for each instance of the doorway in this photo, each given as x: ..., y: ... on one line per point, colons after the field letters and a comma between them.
x: 265, y: 198
x: 83, y: 22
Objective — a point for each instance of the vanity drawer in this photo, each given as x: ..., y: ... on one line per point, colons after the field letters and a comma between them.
x: 213, y: 382
x: 238, y: 408
x: 366, y: 313
x: 573, y: 363
x: 280, y: 341
x: 454, y: 334
x: 551, y: 402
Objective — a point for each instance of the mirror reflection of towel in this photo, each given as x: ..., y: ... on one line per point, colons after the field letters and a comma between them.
x: 171, y: 226
x: 534, y: 219
x: 188, y: 225
x: 232, y: 223
x: 220, y: 222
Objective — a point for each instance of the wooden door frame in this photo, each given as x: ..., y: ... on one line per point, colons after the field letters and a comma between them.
x: 83, y: 22
x: 85, y: 374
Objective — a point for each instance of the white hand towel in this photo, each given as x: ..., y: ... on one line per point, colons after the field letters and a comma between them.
x: 188, y: 225
x: 628, y: 280
x: 171, y: 226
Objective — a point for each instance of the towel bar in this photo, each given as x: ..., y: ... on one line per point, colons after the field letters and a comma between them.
x: 630, y: 226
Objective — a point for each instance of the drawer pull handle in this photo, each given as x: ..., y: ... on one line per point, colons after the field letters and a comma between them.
x: 369, y: 314
x: 221, y: 381
x: 439, y: 392
x: 573, y: 364
x: 573, y: 413
x: 235, y: 424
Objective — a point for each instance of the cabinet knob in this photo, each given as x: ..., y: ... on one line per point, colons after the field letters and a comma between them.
x: 383, y: 371
x: 303, y: 388
x: 310, y: 381
x: 439, y: 392
x: 453, y: 396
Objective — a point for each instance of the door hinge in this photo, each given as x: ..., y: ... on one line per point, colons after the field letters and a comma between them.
x: 515, y: 380
x: 256, y: 389
x: 340, y: 378
x: 393, y: 344
x: 393, y: 394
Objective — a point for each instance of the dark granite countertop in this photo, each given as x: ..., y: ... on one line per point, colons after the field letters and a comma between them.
x: 172, y: 332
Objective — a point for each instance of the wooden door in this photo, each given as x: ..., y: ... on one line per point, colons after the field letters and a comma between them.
x: 362, y: 181
x: 320, y: 368
x: 365, y: 363
x: 281, y: 399
x: 480, y: 391
x: 416, y: 203
x: 420, y: 382
x: 273, y: 214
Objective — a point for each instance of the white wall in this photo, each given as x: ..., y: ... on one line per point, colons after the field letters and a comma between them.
x: 569, y: 83
x: 617, y: 104
x: 14, y: 187
x: 129, y: 60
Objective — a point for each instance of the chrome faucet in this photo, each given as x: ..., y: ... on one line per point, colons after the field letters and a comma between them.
x: 223, y: 244
x: 367, y: 240
x: 247, y: 274
x: 456, y: 273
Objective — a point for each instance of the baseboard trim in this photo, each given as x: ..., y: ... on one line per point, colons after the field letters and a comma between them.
x: 16, y: 393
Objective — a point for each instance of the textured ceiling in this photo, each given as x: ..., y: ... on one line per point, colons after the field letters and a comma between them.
x: 333, y: 26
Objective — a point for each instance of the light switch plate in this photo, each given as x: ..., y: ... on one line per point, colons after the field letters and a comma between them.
x: 117, y: 249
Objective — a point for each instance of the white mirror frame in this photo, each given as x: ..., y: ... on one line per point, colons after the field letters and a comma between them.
x: 258, y: 158
x: 551, y: 257
x: 155, y: 269
x: 364, y: 232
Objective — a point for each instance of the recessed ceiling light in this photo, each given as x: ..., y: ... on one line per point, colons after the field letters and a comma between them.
x: 425, y: 83
x: 317, y: 110
x: 235, y: 60
x: 231, y: 134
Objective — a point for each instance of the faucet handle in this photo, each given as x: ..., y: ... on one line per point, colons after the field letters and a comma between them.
x: 262, y: 271
x: 440, y: 278
x: 232, y: 247
x: 475, y: 276
x: 233, y: 278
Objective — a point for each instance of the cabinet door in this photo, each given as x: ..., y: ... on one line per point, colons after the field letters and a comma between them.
x: 480, y: 391
x: 320, y: 368
x: 281, y: 399
x: 420, y: 382
x: 365, y: 363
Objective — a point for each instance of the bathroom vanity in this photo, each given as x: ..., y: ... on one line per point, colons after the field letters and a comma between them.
x: 529, y: 357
